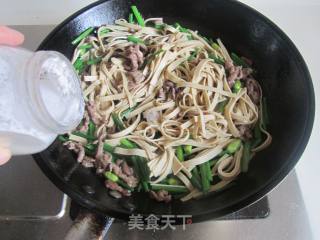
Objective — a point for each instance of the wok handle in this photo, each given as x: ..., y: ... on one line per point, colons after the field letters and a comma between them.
x: 89, y: 226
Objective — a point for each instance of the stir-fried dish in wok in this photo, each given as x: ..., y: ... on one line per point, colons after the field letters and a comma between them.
x: 168, y: 111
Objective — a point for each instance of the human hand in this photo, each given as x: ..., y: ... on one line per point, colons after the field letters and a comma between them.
x: 9, y: 37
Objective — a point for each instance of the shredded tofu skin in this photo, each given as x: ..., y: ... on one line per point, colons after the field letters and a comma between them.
x: 166, y: 88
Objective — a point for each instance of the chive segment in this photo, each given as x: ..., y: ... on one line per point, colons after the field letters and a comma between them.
x: 83, y: 135
x: 169, y: 188
x: 131, y: 18
x: 238, y: 61
x: 233, y: 146
x: 114, y: 178
x: 91, y: 129
x: 221, y: 106
x: 179, y: 153
x: 118, y: 122
x: 215, y: 46
x: 187, y: 149
x: 204, y: 178
x: 173, y: 181
x: 111, y: 176
x: 85, y: 46
x: 217, y: 60
x: 246, y: 157
x: 83, y: 35
x: 237, y: 86
x: 63, y: 138
x: 108, y: 148
x: 138, y: 16
x: 134, y: 39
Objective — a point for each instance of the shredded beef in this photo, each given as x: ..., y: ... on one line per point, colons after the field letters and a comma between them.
x: 135, y: 58
x: 85, y: 124
x: 95, y: 117
x: 245, y: 132
x: 253, y: 90
x: 114, y: 186
x: 161, y: 196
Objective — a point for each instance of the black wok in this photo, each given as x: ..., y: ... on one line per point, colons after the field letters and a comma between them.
x: 281, y: 71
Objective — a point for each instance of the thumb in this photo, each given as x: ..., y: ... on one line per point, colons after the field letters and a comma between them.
x: 10, y: 36
x: 5, y: 155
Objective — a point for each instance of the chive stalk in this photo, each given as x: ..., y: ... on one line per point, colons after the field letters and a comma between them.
x: 238, y: 61
x: 138, y: 16
x: 83, y: 35
x: 179, y: 153
x: 118, y: 122
x: 233, y: 146
x: 237, y: 86
x: 169, y: 188
x: 246, y: 157
x: 204, y: 178
x: 134, y: 39
x: 187, y: 149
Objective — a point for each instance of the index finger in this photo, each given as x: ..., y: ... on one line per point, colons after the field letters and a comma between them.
x: 11, y: 37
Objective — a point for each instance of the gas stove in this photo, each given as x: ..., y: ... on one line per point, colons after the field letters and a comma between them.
x: 33, y: 208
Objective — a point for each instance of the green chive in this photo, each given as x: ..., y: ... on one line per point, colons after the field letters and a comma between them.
x: 159, y: 26
x: 124, y: 185
x: 193, y: 55
x: 173, y: 181
x: 126, y: 112
x: 195, y: 183
x: 187, y: 149
x: 204, y: 178
x: 63, y: 138
x: 209, y: 172
x: 104, y: 31
x: 217, y: 60
x: 81, y: 134
x: 238, y: 61
x: 94, y: 61
x: 79, y: 65
x: 233, y: 146
x: 169, y: 188
x: 257, y: 136
x: 91, y: 146
x: 145, y: 186
x: 237, y: 86
x: 135, y: 40
x: 85, y: 46
x: 108, y: 148
x: 127, y: 143
x: 82, y: 36
x: 91, y: 129
x: 131, y: 18
x: 181, y: 29
x: 179, y: 153
x: 215, y: 46
x: 118, y: 122
x: 138, y: 16
x: 111, y: 176
x: 213, y: 162
x: 221, y: 105
x: 246, y: 157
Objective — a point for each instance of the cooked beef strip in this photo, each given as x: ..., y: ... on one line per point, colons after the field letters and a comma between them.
x: 161, y: 196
